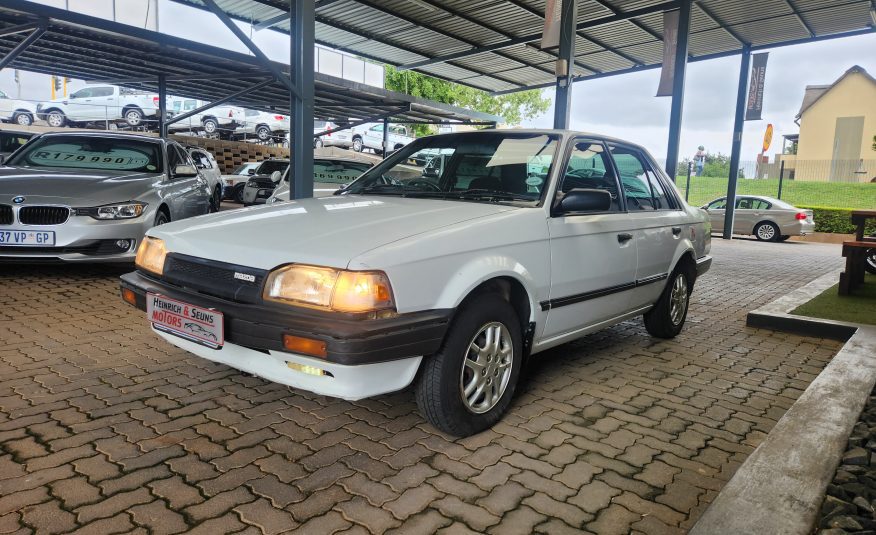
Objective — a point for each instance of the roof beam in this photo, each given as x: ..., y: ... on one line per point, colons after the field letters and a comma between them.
x: 179, y: 77
x: 22, y: 46
x: 666, y: 6
x: 282, y: 77
x: 12, y: 30
x: 706, y: 57
x: 709, y: 13
x: 799, y: 16
x: 265, y: 24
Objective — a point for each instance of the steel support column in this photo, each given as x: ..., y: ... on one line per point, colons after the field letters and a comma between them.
x: 301, y: 36
x: 563, y: 94
x: 162, y: 105
x: 385, y: 137
x: 738, y: 125
x: 22, y: 46
x: 678, y: 89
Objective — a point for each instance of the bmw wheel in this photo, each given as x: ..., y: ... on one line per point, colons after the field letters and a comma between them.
x: 467, y: 386
x: 767, y: 231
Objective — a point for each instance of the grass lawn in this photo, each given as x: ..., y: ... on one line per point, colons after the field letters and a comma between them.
x: 857, y: 308
x: 799, y: 193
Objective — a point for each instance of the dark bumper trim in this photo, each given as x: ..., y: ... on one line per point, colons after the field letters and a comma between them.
x: 348, y: 341
x: 703, y: 264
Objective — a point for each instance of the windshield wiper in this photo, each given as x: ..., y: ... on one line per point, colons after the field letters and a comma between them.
x: 493, y: 194
x: 380, y: 189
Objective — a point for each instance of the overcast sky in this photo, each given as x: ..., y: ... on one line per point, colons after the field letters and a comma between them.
x: 622, y: 106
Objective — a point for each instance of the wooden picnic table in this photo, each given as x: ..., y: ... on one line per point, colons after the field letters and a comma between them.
x: 855, y: 252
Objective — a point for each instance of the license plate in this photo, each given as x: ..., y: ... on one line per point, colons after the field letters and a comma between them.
x: 200, y: 325
x: 27, y: 237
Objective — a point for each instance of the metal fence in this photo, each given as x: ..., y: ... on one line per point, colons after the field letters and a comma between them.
x: 844, y: 184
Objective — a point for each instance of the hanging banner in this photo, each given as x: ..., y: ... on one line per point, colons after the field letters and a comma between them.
x: 550, y: 35
x: 670, y: 43
x: 754, y: 106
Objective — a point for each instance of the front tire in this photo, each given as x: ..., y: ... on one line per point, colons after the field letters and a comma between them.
x: 237, y: 193
x: 467, y: 386
x: 767, y: 231
x: 357, y: 144
x: 56, y: 119
x: 667, y: 317
x: 870, y: 261
x: 161, y: 218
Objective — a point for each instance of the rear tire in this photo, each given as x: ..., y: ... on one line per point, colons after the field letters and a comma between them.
x: 263, y: 133
x: 357, y: 144
x: 667, y: 317
x: 784, y: 237
x: 211, y: 126
x: 766, y: 231
x: 133, y: 117
x: 467, y: 386
x: 870, y: 261
x: 22, y: 119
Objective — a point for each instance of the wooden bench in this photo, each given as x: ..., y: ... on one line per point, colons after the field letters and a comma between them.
x: 855, y: 253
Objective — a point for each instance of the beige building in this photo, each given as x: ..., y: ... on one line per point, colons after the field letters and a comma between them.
x: 837, y: 125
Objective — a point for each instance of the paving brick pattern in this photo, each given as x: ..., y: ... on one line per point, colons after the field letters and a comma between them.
x: 104, y: 428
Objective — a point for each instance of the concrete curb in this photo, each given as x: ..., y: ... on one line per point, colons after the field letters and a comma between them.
x: 780, y: 487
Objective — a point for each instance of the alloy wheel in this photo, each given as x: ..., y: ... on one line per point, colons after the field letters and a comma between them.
x: 766, y: 232
x: 486, y: 368
x: 678, y: 299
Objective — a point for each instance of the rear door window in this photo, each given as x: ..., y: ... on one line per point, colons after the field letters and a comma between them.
x: 642, y: 186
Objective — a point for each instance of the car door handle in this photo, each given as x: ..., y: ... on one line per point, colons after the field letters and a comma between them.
x: 676, y: 231
x: 624, y: 237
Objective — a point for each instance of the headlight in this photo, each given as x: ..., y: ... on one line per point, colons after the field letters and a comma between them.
x: 151, y: 254
x: 328, y: 288
x: 128, y: 210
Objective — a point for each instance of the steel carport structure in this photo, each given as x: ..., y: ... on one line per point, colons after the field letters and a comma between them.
x: 43, y: 39
x: 493, y: 44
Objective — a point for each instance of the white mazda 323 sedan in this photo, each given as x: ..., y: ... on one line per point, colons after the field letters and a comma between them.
x: 445, y: 266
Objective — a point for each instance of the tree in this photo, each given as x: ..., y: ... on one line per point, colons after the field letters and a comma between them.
x: 513, y: 107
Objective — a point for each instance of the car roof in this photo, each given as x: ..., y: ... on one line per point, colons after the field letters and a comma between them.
x: 17, y: 132
x: 547, y: 131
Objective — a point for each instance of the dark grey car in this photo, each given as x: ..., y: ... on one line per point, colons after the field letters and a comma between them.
x: 91, y: 196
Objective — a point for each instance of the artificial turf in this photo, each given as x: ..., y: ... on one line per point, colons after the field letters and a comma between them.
x: 860, y: 307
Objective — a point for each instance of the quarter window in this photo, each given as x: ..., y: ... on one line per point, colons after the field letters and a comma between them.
x: 719, y: 204
x: 642, y: 187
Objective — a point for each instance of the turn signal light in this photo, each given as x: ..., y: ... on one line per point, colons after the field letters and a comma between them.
x: 129, y: 296
x: 306, y: 346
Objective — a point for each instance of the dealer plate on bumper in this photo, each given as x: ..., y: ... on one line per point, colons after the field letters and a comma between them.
x: 200, y: 325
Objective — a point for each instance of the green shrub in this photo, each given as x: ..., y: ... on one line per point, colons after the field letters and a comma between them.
x: 836, y: 220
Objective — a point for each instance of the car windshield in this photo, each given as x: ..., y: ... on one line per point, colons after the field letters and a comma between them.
x: 243, y: 168
x: 475, y: 166
x: 268, y: 167
x: 90, y: 152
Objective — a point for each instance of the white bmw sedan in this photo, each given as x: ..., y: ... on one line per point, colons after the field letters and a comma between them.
x: 446, y: 266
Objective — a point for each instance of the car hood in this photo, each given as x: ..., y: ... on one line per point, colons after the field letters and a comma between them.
x: 74, y: 187
x: 328, y: 231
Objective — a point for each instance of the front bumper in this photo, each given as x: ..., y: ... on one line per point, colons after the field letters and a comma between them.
x: 349, y: 341
x: 81, y: 239
x: 252, y: 195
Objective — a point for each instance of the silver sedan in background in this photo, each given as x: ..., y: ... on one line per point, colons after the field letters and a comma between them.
x: 766, y: 218
x: 91, y: 196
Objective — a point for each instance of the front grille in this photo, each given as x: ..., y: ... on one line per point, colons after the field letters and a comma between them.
x: 43, y: 215
x: 214, y: 278
x: 5, y: 214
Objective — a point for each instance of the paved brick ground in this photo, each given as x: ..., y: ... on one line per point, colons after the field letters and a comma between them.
x: 105, y: 428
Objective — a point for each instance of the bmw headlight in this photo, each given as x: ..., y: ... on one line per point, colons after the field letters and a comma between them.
x: 128, y: 210
x: 329, y: 288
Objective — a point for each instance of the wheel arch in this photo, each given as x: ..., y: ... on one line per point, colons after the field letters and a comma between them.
x: 164, y: 207
x: 511, y: 290
x: 128, y: 107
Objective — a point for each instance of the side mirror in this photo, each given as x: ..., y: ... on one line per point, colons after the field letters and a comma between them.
x: 586, y: 200
x: 250, y: 171
x: 276, y: 176
x: 184, y: 171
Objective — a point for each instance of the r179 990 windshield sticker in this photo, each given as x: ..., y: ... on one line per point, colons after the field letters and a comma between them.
x: 91, y: 160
